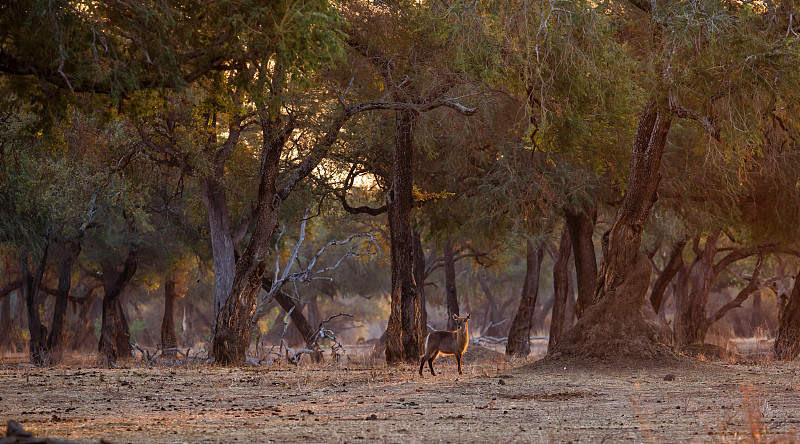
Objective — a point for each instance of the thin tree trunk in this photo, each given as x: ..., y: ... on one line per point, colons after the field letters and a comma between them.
x: 55, y: 342
x: 674, y: 263
x: 787, y: 342
x: 581, y: 229
x: 614, y: 326
x: 35, y: 306
x: 519, y: 334
x: 114, y: 333
x: 451, y: 295
x: 560, y: 287
x: 168, y: 337
x: 404, y: 333
x: 419, y: 278
x: 213, y: 196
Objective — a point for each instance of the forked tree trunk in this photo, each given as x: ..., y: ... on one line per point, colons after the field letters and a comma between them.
x: 614, y: 326
x: 787, y: 342
x: 403, y: 332
x: 518, y: 344
x: 55, y: 342
x: 560, y: 287
x: 168, y: 337
x: 35, y: 306
x: 451, y: 295
x: 213, y: 196
x: 581, y: 229
x: 114, y: 333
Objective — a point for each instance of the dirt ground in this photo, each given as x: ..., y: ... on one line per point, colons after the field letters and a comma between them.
x: 494, y: 401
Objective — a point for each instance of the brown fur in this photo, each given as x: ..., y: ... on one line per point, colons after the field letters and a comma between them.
x: 446, y: 343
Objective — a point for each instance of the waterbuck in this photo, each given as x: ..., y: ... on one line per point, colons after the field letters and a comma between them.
x: 446, y: 343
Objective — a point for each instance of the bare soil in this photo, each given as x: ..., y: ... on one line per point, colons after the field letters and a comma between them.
x: 494, y: 401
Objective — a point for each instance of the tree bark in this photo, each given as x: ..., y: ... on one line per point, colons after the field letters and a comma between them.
x: 55, y: 342
x: 35, y: 305
x: 614, y: 326
x: 518, y: 344
x: 214, y: 199
x: 674, y: 264
x: 114, y: 333
x: 581, y: 229
x: 403, y: 343
x: 560, y: 287
x: 168, y: 337
x: 451, y: 295
x: 787, y: 342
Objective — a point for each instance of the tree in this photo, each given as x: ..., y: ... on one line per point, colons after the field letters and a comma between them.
x: 729, y: 38
x: 519, y: 334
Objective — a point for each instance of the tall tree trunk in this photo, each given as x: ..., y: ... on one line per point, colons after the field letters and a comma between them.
x: 55, y: 342
x: 5, y: 320
x: 614, y: 326
x: 213, y: 196
x: 787, y: 342
x: 692, y: 310
x: 674, y: 264
x: 519, y: 334
x: 581, y: 229
x: 756, y: 315
x: 419, y: 278
x: 35, y: 306
x: 403, y: 343
x: 451, y: 295
x: 232, y: 333
x: 560, y: 287
x: 84, y: 327
x: 114, y: 333
x: 168, y: 337
x: 5, y: 310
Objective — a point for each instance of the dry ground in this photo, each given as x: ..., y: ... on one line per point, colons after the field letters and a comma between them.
x: 494, y: 401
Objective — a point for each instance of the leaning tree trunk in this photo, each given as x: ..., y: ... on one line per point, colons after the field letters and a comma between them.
x: 614, y: 326
x: 114, y: 333
x: 451, y: 296
x: 560, y: 287
x: 213, y: 196
x: 519, y: 334
x: 581, y: 229
x: 787, y: 342
x: 168, y: 338
x: 403, y: 332
x: 55, y: 342
x: 35, y: 306
x: 232, y: 335
x: 674, y: 264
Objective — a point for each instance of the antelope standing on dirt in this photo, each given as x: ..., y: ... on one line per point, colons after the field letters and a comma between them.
x: 446, y: 343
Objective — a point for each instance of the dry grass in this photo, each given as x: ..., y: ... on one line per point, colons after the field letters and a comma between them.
x: 364, y: 401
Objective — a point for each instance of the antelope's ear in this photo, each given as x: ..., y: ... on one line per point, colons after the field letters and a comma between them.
x: 469, y: 316
x: 455, y: 316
